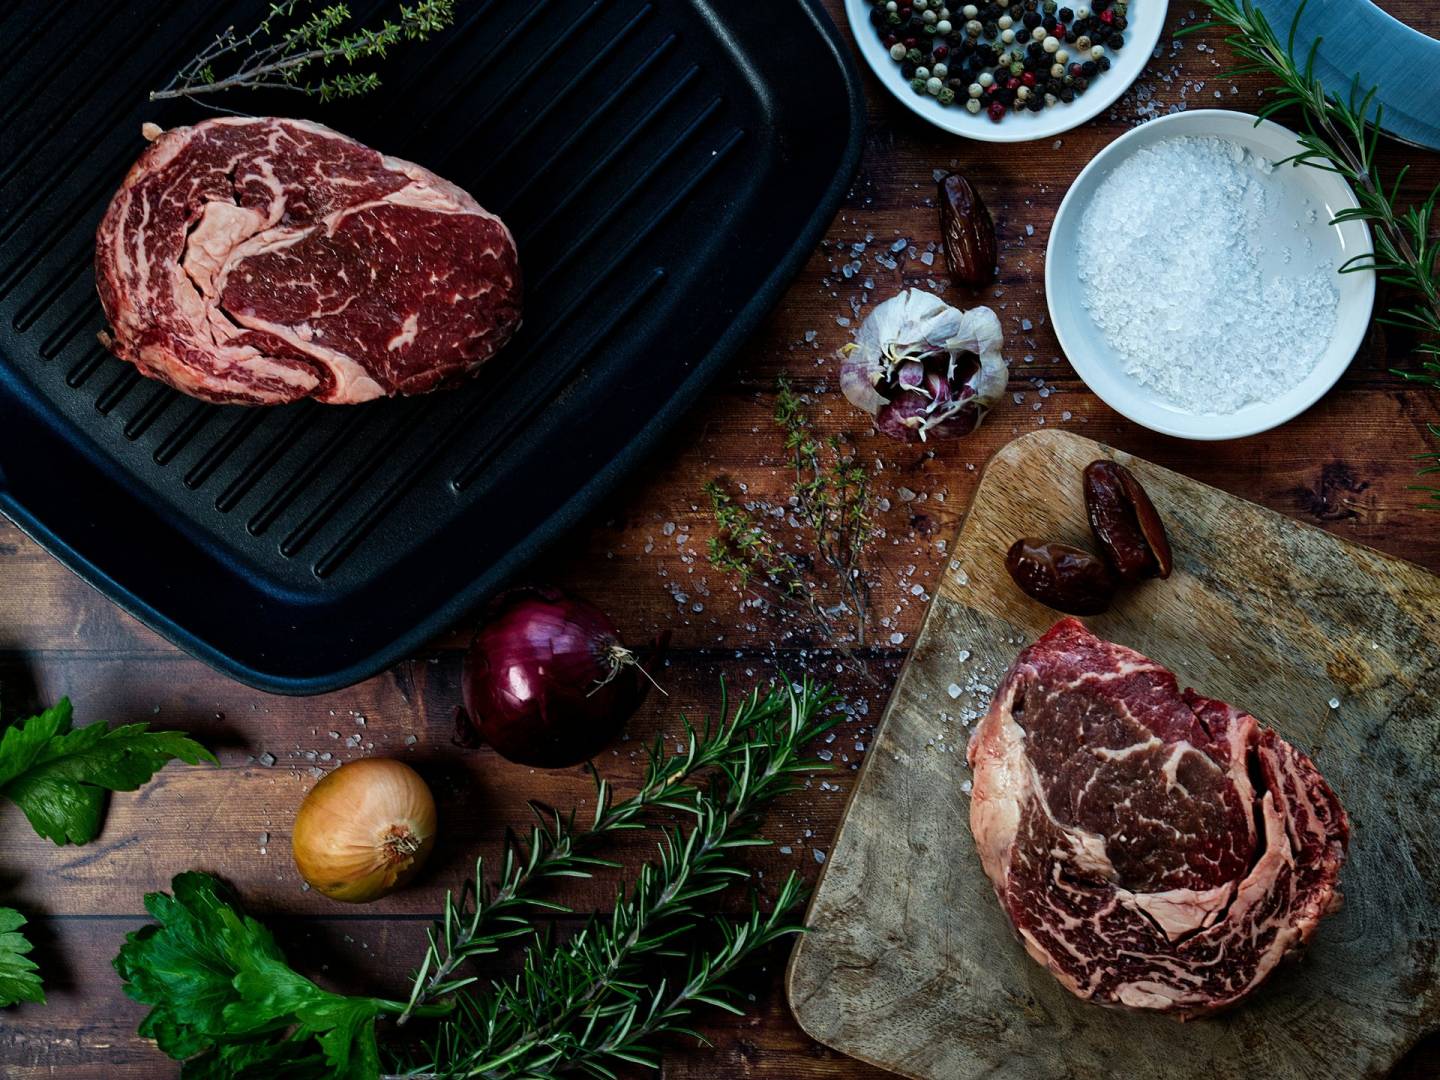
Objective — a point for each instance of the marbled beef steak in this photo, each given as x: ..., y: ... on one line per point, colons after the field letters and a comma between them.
x: 259, y: 261
x: 1154, y: 849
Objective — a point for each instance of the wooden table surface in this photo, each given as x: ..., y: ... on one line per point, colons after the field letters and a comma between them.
x: 1346, y: 466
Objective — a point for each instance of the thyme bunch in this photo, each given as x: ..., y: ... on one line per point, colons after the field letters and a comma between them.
x: 296, y: 37
x: 1342, y: 135
x: 825, y: 587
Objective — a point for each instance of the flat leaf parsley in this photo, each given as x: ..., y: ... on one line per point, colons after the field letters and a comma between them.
x: 59, y: 774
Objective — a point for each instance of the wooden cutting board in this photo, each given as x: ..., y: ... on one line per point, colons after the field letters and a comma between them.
x: 909, y: 962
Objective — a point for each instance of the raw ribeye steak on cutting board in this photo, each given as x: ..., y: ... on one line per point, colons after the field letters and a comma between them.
x: 1154, y: 849
x: 260, y: 260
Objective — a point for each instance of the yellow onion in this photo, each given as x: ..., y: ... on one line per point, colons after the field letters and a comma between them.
x: 364, y: 830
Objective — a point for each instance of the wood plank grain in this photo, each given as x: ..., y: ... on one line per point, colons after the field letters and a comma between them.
x: 236, y: 820
x: 912, y: 965
x: 644, y: 561
x: 1345, y: 466
x: 87, y: 1029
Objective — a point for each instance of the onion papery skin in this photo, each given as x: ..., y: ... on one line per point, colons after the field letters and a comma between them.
x: 542, y: 682
x: 364, y: 830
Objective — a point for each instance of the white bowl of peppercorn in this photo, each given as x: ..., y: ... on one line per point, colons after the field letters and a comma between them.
x: 1003, y: 71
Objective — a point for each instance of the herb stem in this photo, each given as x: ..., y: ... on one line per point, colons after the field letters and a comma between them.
x: 555, y: 849
x: 1342, y: 135
x: 575, y: 1004
x: 286, y: 44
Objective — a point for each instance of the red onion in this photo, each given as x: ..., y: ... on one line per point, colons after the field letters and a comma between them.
x: 547, y: 681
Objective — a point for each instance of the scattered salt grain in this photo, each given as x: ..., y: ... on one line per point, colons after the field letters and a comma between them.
x: 819, y: 855
x: 1334, y: 703
x: 953, y: 690
x: 267, y: 759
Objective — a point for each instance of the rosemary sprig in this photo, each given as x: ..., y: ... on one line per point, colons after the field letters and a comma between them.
x: 634, y: 1030
x: 225, y: 1001
x: 274, y: 56
x: 478, y: 920
x: 594, y: 998
x: 635, y: 1025
x: 831, y: 498
x: 1342, y: 135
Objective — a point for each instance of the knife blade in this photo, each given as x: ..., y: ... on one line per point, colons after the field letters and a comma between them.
x: 1362, y: 45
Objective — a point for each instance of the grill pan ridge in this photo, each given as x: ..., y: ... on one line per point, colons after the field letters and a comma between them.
x: 665, y: 165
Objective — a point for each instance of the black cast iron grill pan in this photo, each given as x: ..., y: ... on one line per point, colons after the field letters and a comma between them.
x: 665, y: 165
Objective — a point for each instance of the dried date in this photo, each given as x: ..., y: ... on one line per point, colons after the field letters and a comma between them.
x: 1125, y: 522
x: 1066, y: 578
x: 968, y: 233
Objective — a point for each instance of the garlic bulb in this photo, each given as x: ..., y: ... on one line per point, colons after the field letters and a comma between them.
x: 364, y: 830
x: 923, y: 368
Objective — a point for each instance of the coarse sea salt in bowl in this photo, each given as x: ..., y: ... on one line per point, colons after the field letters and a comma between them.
x: 1194, y: 284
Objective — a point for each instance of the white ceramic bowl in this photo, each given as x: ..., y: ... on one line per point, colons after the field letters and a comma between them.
x: 1103, y: 370
x: 1144, y: 19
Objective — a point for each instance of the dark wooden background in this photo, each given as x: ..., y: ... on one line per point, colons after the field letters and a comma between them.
x: 1346, y: 465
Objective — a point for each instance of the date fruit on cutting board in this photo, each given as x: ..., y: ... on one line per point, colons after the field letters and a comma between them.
x: 910, y: 963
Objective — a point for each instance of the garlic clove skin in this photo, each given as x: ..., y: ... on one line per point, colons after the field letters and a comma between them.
x: 923, y: 368
x: 364, y: 830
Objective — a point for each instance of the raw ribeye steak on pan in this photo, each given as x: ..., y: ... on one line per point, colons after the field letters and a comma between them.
x: 259, y: 261
x: 1154, y: 849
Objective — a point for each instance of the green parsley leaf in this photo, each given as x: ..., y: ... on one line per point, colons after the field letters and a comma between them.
x: 59, y: 775
x: 225, y: 1001
x: 18, y: 981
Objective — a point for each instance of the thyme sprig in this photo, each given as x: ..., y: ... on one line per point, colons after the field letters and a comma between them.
x: 292, y: 40
x: 1342, y: 135
x: 831, y: 497
x: 596, y: 997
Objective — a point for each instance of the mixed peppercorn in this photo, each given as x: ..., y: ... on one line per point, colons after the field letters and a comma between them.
x: 1025, y: 54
